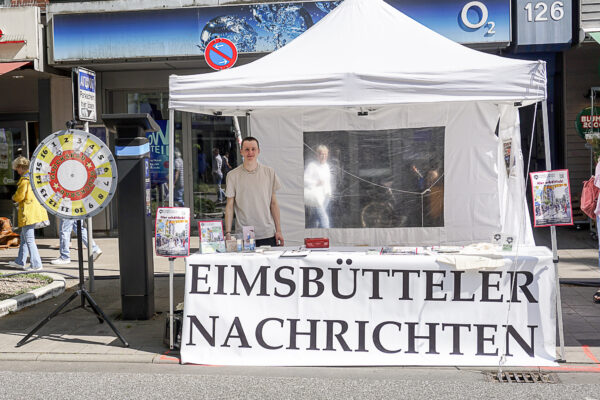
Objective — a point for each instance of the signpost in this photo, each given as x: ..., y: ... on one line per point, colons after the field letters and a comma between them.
x: 84, y: 109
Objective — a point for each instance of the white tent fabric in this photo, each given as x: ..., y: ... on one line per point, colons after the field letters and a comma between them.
x: 366, y: 55
x: 363, y: 53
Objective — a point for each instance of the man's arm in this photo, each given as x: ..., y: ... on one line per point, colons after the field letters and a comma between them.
x: 228, y: 217
x: 277, y: 219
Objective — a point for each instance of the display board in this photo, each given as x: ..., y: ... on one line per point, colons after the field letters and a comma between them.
x: 172, y: 231
x: 551, y: 196
x: 73, y: 174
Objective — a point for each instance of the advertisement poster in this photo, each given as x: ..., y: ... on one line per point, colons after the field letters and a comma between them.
x: 508, y: 158
x: 551, y: 195
x: 253, y: 28
x: 159, y: 153
x: 172, y: 232
x: 6, y: 157
x: 211, y: 237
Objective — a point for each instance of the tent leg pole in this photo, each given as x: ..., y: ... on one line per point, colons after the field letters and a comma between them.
x: 171, y: 130
x: 248, y: 129
x: 559, y: 318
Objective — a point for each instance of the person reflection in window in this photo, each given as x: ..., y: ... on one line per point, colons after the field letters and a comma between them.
x: 317, y: 190
x: 178, y: 181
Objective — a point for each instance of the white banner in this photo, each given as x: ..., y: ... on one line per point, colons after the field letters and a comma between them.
x: 353, y: 308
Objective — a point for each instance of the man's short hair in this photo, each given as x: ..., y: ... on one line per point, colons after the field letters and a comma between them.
x: 250, y: 139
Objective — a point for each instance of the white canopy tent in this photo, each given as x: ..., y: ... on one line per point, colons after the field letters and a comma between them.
x: 367, y: 56
x: 368, y: 67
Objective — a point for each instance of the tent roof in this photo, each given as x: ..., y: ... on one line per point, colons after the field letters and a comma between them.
x: 363, y: 53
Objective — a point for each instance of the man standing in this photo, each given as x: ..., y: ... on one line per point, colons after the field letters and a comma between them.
x: 217, y: 173
x: 250, y: 192
x: 178, y: 194
x: 66, y: 227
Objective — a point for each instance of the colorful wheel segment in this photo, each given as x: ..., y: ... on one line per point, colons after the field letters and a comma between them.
x: 73, y: 174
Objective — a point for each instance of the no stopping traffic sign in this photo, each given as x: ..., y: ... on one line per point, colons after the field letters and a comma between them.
x: 220, y: 53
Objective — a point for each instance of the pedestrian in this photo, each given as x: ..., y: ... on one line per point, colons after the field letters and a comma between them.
x: 30, y: 213
x: 596, y: 296
x: 226, y: 166
x: 217, y: 173
x: 66, y: 228
x: 178, y: 181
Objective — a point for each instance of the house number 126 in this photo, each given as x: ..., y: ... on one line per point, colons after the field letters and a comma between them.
x: 540, y: 9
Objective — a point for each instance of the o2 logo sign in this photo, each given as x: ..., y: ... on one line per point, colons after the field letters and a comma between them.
x: 539, y: 11
x: 482, y: 12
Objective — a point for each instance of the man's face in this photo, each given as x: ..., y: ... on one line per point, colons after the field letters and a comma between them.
x: 250, y: 150
x: 323, y: 154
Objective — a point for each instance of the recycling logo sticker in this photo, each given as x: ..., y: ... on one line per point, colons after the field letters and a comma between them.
x: 220, y: 54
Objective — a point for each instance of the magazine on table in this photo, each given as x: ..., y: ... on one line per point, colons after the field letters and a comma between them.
x: 211, y: 237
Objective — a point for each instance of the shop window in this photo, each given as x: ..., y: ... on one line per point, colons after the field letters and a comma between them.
x: 374, y: 179
x: 212, y: 137
x: 156, y: 104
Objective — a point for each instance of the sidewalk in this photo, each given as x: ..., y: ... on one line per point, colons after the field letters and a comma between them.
x: 79, y: 337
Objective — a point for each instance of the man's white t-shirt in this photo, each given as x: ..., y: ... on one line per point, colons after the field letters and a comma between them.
x: 253, y: 192
x: 317, y: 184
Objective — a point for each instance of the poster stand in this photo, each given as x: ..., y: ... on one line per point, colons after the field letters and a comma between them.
x: 83, y: 294
x: 561, y: 335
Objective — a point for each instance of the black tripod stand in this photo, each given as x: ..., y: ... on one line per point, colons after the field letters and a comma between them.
x: 81, y: 292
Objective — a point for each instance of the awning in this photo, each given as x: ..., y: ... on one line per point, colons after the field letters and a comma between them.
x: 10, y: 66
x: 595, y: 36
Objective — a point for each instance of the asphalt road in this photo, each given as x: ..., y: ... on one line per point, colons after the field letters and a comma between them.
x: 54, y: 380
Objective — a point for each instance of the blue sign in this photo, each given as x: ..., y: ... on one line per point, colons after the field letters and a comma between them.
x: 159, y: 153
x: 252, y: 28
x: 87, y: 82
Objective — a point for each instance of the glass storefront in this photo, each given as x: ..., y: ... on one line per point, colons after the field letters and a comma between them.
x: 208, y: 146
x: 156, y: 104
x: 13, y: 143
x: 213, y: 144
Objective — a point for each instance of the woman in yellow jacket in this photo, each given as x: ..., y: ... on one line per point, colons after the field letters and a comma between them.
x: 30, y: 213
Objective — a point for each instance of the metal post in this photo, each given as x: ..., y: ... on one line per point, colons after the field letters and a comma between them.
x: 171, y: 177
x: 238, y: 131
x: 559, y: 317
x: 248, y: 127
x: 90, y: 239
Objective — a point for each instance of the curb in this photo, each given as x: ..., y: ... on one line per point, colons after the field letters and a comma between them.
x: 152, y: 358
x: 56, y: 288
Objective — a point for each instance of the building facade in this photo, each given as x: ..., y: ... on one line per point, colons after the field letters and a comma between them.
x: 135, y: 45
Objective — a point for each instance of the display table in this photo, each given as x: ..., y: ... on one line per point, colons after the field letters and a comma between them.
x: 351, y: 306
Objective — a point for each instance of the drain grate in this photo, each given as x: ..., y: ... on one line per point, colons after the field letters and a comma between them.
x: 521, y: 377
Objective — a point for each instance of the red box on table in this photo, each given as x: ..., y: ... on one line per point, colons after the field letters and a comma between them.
x: 316, y: 243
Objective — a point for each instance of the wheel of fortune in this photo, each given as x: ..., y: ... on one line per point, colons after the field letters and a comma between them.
x: 73, y: 174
